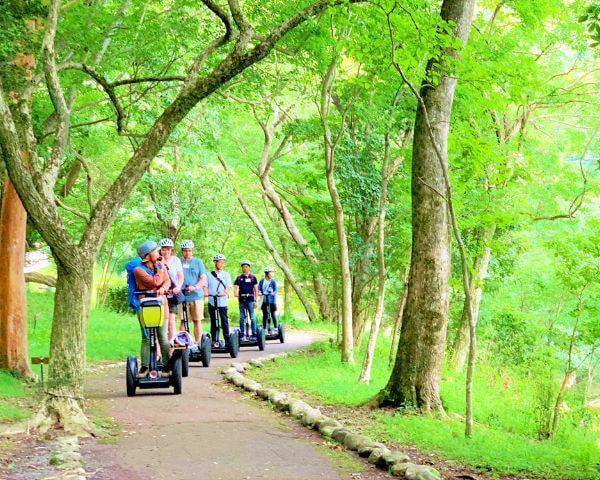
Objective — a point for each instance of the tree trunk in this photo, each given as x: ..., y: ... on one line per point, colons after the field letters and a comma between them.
x: 344, y: 257
x: 480, y: 268
x: 287, y: 287
x: 289, y: 276
x: 64, y: 390
x: 36, y: 277
x: 399, y: 313
x: 13, y: 301
x: 365, y: 374
x: 415, y: 378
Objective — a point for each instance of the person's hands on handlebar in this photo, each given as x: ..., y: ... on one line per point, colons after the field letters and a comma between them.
x: 176, y: 290
x: 161, y: 291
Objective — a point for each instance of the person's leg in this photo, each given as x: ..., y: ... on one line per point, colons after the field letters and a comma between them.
x: 274, y: 314
x: 250, y: 306
x: 144, y: 348
x: 214, y: 328
x: 263, y: 307
x: 180, y: 317
x: 197, y: 314
x: 242, y: 305
x: 225, y: 322
x: 163, y: 340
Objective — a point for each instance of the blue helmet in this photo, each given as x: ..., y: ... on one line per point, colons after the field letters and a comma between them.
x: 146, y: 247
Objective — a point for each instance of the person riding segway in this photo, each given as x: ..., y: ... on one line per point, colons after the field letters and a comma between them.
x: 194, y: 277
x: 218, y: 285
x: 245, y: 290
x: 267, y: 289
x: 152, y: 283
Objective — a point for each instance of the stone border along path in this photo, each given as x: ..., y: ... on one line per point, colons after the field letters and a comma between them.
x: 66, y: 456
x: 396, y: 463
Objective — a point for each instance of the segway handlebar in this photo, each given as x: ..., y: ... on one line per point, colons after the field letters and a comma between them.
x: 145, y: 292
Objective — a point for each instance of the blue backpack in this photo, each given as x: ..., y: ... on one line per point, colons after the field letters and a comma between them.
x: 130, y: 266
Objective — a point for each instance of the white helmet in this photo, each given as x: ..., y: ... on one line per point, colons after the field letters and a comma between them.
x: 186, y: 244
x: 218, y: 256
x: 245, y: 262
x: 269, y: 269
x: 166, y: 242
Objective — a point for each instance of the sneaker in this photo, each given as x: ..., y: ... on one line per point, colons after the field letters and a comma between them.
x: 143, y: 373
x: 165, y: 374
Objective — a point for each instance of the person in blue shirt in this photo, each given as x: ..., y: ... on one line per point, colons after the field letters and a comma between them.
x: 244, y: 288
x: 194, y: 288
x: 218, y: 284
x: 267, y: 289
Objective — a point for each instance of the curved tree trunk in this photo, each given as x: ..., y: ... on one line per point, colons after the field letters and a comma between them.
x: 289, y: 276
x: 416, y: 375
x: 480, y: 268
x: 13, y: 302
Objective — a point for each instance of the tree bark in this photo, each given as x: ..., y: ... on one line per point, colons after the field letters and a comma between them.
x: 399, y: 314
x: 415, y: 379
x: 13, y: 302
x: 287, y: 287
x: 330, y: 144
x: 36, y: 277
x: 289, y: 222
x: 64, y: 389
x: 480, y: 268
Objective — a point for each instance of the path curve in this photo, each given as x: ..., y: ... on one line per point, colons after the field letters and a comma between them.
x: 208, y: 432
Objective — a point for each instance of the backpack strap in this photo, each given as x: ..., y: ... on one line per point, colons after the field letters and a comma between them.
x: 214, y: 274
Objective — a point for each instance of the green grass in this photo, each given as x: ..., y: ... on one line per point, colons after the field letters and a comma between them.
x: 110, y: 336
x: 11, y: 388
x: 505, y: 430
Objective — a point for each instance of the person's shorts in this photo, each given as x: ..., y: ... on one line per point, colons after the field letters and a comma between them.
x: 195, y: 310
x: 173, y: 305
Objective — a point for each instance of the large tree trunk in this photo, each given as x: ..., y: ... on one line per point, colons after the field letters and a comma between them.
x: 64, y: 389
x: 416, y: 375
x: 480, y: 268
x: 399, y: 314
x: 13, y: 313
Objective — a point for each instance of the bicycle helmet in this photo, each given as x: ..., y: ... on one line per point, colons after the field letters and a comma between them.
x: 186, y: 244
x: 146, y: 247
x: 245, y: 262
x: 218, y: 256
x: 269, y: 269
x: 166, y: 242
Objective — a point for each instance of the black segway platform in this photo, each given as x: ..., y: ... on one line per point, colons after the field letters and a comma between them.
x: 232, y: 348
x: 153, y: 379
x: 277, y: 334
x: 259, y: 341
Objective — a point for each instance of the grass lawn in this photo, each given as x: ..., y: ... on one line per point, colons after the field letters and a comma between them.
x: 110, y: 336
x: 505, y: 431
x: 12, y: 391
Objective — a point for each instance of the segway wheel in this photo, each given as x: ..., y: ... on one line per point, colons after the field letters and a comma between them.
x: 185, y: 362
x: 234, y: 344
x: 261, y: 338
x: 131, y: 371
x: 281, y: 332
x: 205, y: 350
x: 176, y: 377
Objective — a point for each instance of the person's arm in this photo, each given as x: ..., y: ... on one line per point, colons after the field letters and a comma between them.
x: 255, y: 288
x: 146, y: 281
x: 179, y: 282
x: 274, y: 288
x: 236, y: 287
x: 259, y: 288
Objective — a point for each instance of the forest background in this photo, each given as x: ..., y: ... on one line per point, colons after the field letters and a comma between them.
x: 297, y: 148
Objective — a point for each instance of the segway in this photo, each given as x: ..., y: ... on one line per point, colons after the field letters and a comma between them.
x: 232, y: 346
x: 152, y: 317
x: 195, y: 353
x: 253, y: 341
x: 279, y: 332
